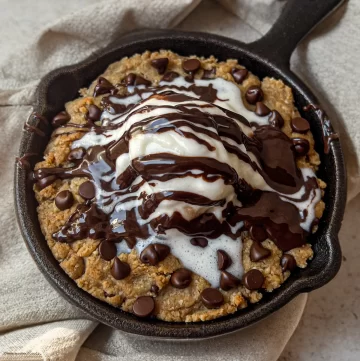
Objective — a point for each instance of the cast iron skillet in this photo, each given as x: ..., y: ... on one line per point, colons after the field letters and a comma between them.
x: 268, y: 56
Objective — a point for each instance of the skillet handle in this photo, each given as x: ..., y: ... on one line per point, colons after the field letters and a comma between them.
x: 297, y: 19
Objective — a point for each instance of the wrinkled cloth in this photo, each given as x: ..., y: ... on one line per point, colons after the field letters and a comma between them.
x: 36, y: 323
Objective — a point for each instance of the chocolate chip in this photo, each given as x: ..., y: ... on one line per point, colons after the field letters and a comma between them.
x: 60, y: 119
x: 149, y: 255
x: 144, y: 306
x: 103, y: 86
x: 133, y: 79
x: 228, y: 281
x: 76, y: 154
x: 64, y: 200
x: 160, y: 64
x: 181, y: 278
x: 275, y: 119
x: 154, y: 289
x: 253, y: 279
x: 191, y: 65
x: 162, y: 250
x: 119, y: 269
x: 258, y: 252
x: 209, y: 74
x: 170, y: 76
x: 46, y: 181
x: 139, y: 80
x: 261, y: 109
x: 130, y: 79
x: 107, y: 250
x: 94, y: 113
x: 212, y: 298
x: 258, y: 233
x: 301, y: 145
x: 300, y: 125
x: 288, y: 263
x: 223, y: 260
x: 254, y: 94
x: 199, y: 242
x: 154, y: 253
x: 87, y: 190
x: 239, y: 75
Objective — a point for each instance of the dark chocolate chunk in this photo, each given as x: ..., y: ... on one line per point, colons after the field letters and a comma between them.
x: 191, y: 65
x: 154, y: 253
x: 103, y: 86
x: 154, y: 289
x: 119, y: 269
x: 199, y: 242
x: 223, y: 260
x: 301, y: 145
x: 94, y: 113
x: 144, y: 306
x: 181, y: 278
x: 87, y: 190
x: 300, y: 125
x: 258, y: 252
x: 46, y: 181
x: 275, y: 119
x: 239, y: 75
x: 228, y: 281
x: 253, y: 279
x: 287, y: 262
x: 254, y: 94
x: 107, y: 250
x: 160, y: 64
x: 258, y: 233
x: 212, y: 298
x: 76, y: 154
x: 64, y: 200
x: 170, y: 76
x: 261, y: 109
x: 209, y: 74
x: 60, y: 119
x: 130, y: 79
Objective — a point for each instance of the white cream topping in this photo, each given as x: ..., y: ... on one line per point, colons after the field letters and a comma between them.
x: 199, y: 260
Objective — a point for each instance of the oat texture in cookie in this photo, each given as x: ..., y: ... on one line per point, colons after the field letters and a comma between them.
x: 180, y: 188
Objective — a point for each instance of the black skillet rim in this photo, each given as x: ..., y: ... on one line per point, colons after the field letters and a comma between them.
x: 300, y: 281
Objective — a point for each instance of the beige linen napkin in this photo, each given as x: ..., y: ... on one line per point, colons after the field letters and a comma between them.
x: 36, y: 323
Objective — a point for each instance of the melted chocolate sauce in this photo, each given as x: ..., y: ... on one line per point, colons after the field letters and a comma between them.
x: 275, y: 162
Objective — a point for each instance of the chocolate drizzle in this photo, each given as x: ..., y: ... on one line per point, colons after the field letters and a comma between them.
x: 328, y: 132
x: 23, y: 161
x: 119, y: 212
x: 36, y: 120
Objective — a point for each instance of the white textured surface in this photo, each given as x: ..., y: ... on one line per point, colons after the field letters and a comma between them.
x: 329, y: 62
